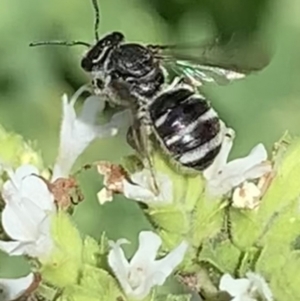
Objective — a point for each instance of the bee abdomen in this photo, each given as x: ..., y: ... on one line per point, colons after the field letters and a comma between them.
x: 188, y: 127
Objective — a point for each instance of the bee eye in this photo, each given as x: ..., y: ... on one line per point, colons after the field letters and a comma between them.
x: 86, y: 64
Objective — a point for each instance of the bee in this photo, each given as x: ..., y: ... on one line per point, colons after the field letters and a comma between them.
x: 175, y: 115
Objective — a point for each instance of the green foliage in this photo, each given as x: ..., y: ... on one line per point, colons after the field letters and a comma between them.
x: 75, y: 266
x: 260, y: 108
x: 262, y: 240
x: 176, y: 298
x: 100, y: 283
x: 90, y: 251
x: 285, y: 186
x: 170, y: 219
x: 16, y: 151
x: 245, y: 227
x: 63, y: 266
x: 222, y: 254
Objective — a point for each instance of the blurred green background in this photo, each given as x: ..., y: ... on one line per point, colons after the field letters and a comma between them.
x: 32, y: 80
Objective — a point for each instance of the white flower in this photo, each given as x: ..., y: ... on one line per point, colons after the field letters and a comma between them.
x: 77, y: 132
x: 26, y: 215
x: 11, y: 289
x: 222, y: 176
x: 137, y: 186
x: 252, y: 288
x: 247, y: 196
x: 138, y: 276
x: 141, y: 188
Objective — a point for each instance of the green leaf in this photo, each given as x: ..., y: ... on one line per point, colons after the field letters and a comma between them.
x: 187, y: 185
x: 245, y: 228
x: 185, y: 297
x: 172, y: 297
x: 281, y: 267
x: 101, y: 282
x: 170, y: 239
x: 95, y: 253
x: 283, y: 229
x: 207, y: 220
x: 247, y: 261
x: 285, y: 186
x: 103, y: 244
x: 63, y: 265
x: 194, y: 191
x: 15, y: 151
x: 47, y: 292
x: 285, y: 282
x: 90, y: 251
x: 79, y: 293
x: 272, y: 259
x: 170, y: 218
x: 222, y: 254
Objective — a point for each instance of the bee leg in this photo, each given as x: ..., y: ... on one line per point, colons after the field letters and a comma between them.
x: 133, y: 140
x: 177, y: 81
x: 147, y: 147
x: 138, y: 139
x: 181, y: 81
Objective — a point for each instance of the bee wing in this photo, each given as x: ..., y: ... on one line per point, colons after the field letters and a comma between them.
x: 198, y: 74
x: 217, y: 61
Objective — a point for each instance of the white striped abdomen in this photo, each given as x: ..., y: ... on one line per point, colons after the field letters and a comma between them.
x: 188, y: 127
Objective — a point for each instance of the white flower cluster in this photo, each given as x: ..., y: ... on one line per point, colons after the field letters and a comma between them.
x: 77, y: 132
x: 26, y: 215
x: 221, y: 178
x: 138, y: 276
x: 251, y: 288
x: 12, y: 289
x: 30, y: 204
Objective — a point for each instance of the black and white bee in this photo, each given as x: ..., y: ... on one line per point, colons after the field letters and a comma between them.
x: 173, y: 115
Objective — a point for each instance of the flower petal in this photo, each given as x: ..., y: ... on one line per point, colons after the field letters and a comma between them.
x: 164, y: 267
x: 37, y: 243
x: 91, y: 107
x: 234, y: 287
x: 145, y: 271
x: 74, y: 137
x: 246, y: 196
x: 121, y: 120
x: 20, y: 220
x: 143, y: 191
x: 222, y: 158
x: 260, y: 286
x: 238, y: 171
x: 78, y: 132
x: 243, y: 165
x: 119, y: 264
x: 104, y: 195
x: 14, y: 288
x: 25, y: 170
x: 12, y: 187
x: 14, y: 248
x: 149, y: 243
x: 35, y: 189
x: 137, y: 280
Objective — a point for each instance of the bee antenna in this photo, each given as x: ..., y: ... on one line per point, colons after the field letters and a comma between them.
x: 97, y: 19
x: 59, y: 43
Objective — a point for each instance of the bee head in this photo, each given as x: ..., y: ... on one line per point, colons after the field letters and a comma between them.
x: 96, y: 56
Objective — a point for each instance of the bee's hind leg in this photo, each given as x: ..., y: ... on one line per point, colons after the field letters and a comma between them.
x: 138, y: 137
